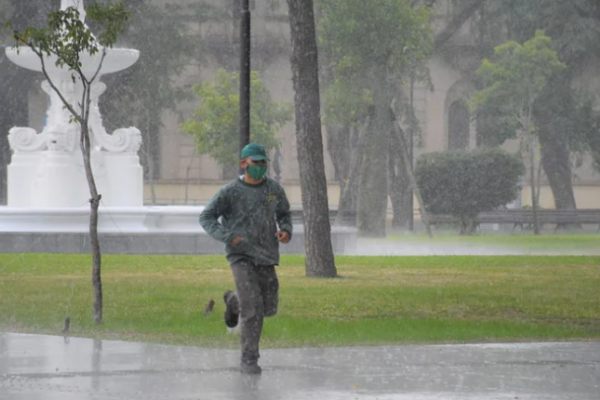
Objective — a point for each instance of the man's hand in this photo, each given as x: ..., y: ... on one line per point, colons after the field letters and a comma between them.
x: 236, y: 241
x: 283, y: 237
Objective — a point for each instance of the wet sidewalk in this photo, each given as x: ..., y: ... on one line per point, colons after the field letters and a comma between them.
x: 45, y: 367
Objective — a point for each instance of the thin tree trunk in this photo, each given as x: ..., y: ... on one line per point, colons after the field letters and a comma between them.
x: 532, y: 170
x: 96, y: 259
x: 86, y: 148
x: 347, y: 209
x: 187, y: 177
x: 94, y: 239
x: 151, y: 181
x: 340, y: 150
x: 151, y: 136
x: 539, y: 183
x: 532, y: 182
x: 411, y: 175
x: 320, y: 261
x: 398, y: 182
x: 411, y: 149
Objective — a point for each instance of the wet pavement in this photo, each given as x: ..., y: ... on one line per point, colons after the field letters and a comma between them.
x: 34, y: 367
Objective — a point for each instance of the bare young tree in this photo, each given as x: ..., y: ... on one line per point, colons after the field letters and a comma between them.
x: 66, y: 38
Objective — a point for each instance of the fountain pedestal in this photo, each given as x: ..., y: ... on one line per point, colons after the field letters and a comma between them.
x: 46, y: 169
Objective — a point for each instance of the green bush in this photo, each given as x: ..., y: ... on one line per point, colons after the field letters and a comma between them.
x: 465, y: 183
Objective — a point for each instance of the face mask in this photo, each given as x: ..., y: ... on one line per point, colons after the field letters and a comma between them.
x: 257, y: 171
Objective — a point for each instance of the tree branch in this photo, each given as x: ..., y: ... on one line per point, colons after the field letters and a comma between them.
x: 87, y: 93
x: 99, y: 66
x: 457, y: 21
x: 52, y: 85
x: 83, y: 140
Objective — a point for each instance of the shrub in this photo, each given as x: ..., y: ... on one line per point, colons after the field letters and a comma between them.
x: 465, y: 183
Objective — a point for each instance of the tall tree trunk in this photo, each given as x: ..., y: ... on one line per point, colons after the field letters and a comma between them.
x: 305, y: 69
x: 557, y: 167
x: 551, y: 118
x: 398, y: 182
x: 372, y: 197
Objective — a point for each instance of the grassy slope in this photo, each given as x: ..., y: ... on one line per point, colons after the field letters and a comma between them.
x: 377, y: 300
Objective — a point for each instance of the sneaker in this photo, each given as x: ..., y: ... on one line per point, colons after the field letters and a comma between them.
x: 236, y: 330
x: 231, y: 317
x: 250, y: 369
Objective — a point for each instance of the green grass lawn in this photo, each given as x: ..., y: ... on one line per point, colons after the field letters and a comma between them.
x: 377, y: 300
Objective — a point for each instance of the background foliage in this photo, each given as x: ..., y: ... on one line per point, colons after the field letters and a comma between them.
x: 215, y: 126
x: 465, y: 183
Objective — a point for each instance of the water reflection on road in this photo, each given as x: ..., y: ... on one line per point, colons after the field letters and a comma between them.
x: 44, y: 367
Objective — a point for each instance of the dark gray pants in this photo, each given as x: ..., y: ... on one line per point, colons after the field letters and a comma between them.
x: 256, y: 297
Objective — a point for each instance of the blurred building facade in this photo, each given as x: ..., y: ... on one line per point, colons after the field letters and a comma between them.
x: 445, y: 123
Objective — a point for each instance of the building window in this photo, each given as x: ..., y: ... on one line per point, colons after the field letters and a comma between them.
x: 459, y: 124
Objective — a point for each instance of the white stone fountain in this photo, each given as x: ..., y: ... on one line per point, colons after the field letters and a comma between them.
x: 47, y: 187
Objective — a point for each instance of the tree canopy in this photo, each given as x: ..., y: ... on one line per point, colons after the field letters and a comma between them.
x: 361, y: 36
x: 516, y: 77
x: 215, y: 125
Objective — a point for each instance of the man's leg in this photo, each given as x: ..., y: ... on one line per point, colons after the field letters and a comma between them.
x: 251, y: 312
x: 269, y: 287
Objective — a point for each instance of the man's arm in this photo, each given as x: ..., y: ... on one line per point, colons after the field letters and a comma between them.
x: 283, y: 214
x: 209, y: 218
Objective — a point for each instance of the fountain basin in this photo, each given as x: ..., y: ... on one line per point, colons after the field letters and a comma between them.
x: 116, y: 60
x: 127, y: 230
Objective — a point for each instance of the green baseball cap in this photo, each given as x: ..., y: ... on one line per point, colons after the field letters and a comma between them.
x: 255, y: 151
